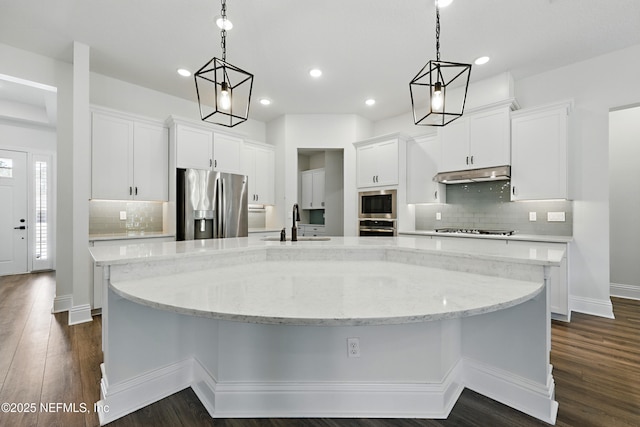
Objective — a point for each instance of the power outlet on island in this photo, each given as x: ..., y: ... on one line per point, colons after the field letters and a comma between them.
x: 123, y: 215
x: 438, y: 216
x: 353, y: 347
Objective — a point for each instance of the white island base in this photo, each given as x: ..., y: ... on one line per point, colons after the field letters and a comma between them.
x: 485, y: 326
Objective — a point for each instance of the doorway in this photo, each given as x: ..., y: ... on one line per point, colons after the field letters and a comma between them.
x: 14, y: 212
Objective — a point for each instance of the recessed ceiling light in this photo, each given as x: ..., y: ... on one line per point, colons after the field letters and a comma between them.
x: 316, y: 72
x: 223, y: 23
x: 265, y: 101
x: 482, y: 60
x: 184, y: 72
x: 370, y: 101
x: 443, y: 3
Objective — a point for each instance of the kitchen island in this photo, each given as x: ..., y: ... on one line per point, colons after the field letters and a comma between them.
x: 261, y: 329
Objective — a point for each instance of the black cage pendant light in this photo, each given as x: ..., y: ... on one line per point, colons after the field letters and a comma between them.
x: 439, y: 90
x: 224, y: 90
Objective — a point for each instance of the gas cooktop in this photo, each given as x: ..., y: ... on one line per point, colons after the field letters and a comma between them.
x: 476, y: 231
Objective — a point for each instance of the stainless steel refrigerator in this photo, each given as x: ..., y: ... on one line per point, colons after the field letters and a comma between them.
x: 210, y: 205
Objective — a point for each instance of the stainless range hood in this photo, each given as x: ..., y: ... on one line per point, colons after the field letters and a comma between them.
x: 496, y: 173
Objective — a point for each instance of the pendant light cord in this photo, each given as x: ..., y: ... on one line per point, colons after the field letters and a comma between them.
x: 437, y: 32
x: 223, y: 32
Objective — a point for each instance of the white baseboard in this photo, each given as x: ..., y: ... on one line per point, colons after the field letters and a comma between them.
x: 511, y: 390
x: 80, y: 314
x: 62, y: 303
x: 118, y: 400
x: 625, y: 291
x: 327, y: 399
x: 595, y: 307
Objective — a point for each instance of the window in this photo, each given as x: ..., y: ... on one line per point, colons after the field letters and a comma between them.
x: 6, y: 168
x: 41, y: 190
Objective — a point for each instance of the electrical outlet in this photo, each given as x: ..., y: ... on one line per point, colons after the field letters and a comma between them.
x: 438, y: 216
x: 123, y: 215
x: 555, y: 217
x: 532, y: 216
x: 353, y: 347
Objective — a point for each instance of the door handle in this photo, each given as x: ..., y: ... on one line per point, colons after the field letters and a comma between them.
x: 22, y: 227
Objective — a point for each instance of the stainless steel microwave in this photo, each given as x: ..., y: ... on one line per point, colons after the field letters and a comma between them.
x: 377, y: 204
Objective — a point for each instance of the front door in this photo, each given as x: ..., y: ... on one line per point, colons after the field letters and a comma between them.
x: 13, y: 212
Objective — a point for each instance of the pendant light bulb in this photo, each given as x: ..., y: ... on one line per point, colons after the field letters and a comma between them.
x: 224, y: 99
x: 437, y: 100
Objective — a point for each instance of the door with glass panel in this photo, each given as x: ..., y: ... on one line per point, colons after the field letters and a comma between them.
x: 13, y: 212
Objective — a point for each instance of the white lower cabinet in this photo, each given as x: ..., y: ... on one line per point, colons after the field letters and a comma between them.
x: 97, y: 273
x: 311, y: 230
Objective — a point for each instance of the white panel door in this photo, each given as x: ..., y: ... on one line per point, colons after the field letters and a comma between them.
x: 318, y: 189
x: 111, y: 158
x: 227, y: 154
x: 307, y: 190
x: 264, y: 172
x: 13, y: 214
x: 194, y: 148
x: 455, y: 146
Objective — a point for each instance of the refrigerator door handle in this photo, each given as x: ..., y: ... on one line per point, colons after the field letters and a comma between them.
x: 222, y: 209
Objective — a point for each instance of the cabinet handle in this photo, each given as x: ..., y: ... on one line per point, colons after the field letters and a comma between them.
x: 310, y: 203
x: 215, y: 163
x: 373, y: 178
x: 322, y: 204
x: 513, y: 190
x: 210, y: 163
x: 136, y: 192
x: 130, y: 191
x: 471, y: 159
x: 257, y: 197
x: 435, y: 194
x: 467, y: 159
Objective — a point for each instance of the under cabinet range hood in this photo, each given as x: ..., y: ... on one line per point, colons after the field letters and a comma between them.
x: 496, y: 173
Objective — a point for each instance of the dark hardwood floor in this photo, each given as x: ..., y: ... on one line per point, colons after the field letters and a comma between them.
x: 43, y: 361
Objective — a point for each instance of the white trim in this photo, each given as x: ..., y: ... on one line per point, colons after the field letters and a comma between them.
x: 514, y: 391
x: 592, y: 306
x: 118, y: 400
x: 80, y: 314
x: 621, y: 290
x: 62, y: 303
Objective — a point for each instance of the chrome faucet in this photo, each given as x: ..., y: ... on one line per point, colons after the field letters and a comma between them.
x: 296, y: 217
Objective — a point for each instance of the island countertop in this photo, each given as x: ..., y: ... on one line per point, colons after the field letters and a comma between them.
x: 535, y: 253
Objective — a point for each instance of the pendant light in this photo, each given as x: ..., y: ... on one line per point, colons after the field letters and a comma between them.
x: 439, y: 90
x: 224, y: 90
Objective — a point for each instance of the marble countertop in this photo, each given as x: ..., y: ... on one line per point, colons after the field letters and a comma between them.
x: 536, y: 253
x: 129, y: 235
x: 515, y: 237
x: 352, y: 293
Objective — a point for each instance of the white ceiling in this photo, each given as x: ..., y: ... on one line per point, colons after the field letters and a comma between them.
x: 366, y: 48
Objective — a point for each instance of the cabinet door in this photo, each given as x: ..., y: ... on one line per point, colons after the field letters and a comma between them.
x: 227, y: 154
x: 150, y: 162
x: 111, y: 157
x: 455, y: 146
x: 318, y: 189
x: 489, y: 139
x: 539, y: 156
x: 265, y: 175
x: 193, y: 148
x: 249, y: 169
x: 423, y: 155
x: 366, y: 165
x: 387, y: 162
x: 307, y: 190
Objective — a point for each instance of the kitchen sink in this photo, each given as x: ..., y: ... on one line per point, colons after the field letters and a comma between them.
x: 300, y: 239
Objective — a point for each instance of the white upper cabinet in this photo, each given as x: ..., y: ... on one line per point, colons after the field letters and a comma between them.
x: 377, y: 163
x: 258, y: 163
x: 129, y: 158
x: 194, y: 147
x: 313, y: 189
x: 227, y: 153
x: 477, y: 140
x: 539, y: 153
x: 423, y: 155
x: 200, y: 148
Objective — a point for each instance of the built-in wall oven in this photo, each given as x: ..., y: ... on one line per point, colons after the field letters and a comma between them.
x: 377, y: 212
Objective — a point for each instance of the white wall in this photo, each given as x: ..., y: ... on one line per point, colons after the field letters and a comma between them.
x: 624, y: 201
x: 123, y: 96
x: 317, y: 131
